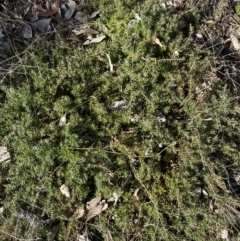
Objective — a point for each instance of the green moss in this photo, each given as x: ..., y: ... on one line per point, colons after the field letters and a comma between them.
x: 237, y: 9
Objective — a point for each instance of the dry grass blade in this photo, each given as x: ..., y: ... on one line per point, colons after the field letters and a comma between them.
x: 110, y: 63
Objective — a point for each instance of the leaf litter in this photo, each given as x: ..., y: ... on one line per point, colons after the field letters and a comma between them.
x: 94, y: 40
x: 78, y: 213
x: 119, y: 105
x: 135, y: 20
x: 42, y: 20
x: 94, y: 202
x: 65, y: 190
x: 114, y: 198
x: 62, y: 121
x: 95, y: 207
x: 4, y: 155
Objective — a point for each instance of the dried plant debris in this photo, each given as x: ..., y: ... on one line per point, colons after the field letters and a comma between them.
x: 43, y: 25
x: 200, y: 192
x: 43, y: 20
x: 235, y: 42
x: 78, y: 213
x: 114, y: 199
x: 199, y: 38
x: 225, y: 235
x: 110, y: 63
x: 83, y: 17
x: 134, y: 21
x: 82, y: 238
x: 94, y: 202
x: 3, y: 41
x: 84, y: 28
x: 33, y: 219
x: 205, y: 194
x: 95, y: 207
x: 211, y: 204
x: 52, y: 233
x: 119, y: 105
x: 68, y: 9
x: 4, y: 155
x: 94, y: 40
x: 234, y: 180
x: 135, y: 194
x: 65, y: 190
x: 160, y: 116
x: 62, y: 121
x: 158, y: 42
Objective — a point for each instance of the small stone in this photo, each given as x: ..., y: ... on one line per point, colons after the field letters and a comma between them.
x: 26, y: 31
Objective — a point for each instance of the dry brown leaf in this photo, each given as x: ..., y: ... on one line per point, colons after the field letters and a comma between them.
x: 78, y: 213
x: 94, y: 14
x: 97, y: 208
x: 84, y: 30
x: 80, y: 31
x: 4, y: 155
x: 205, y: 194
x: 136, y: 193
x: 82, y: 238
x: 93, y: 203
x: 65, y: 190
x: 216, y: 211
x: 62, y: 121
x: 94, y: 212
x: 94, y: 40
x: 105, y: 206
x: 158, y: 42
x: 235, y: 42
x: 224, y: 234
x: 119, y: 105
